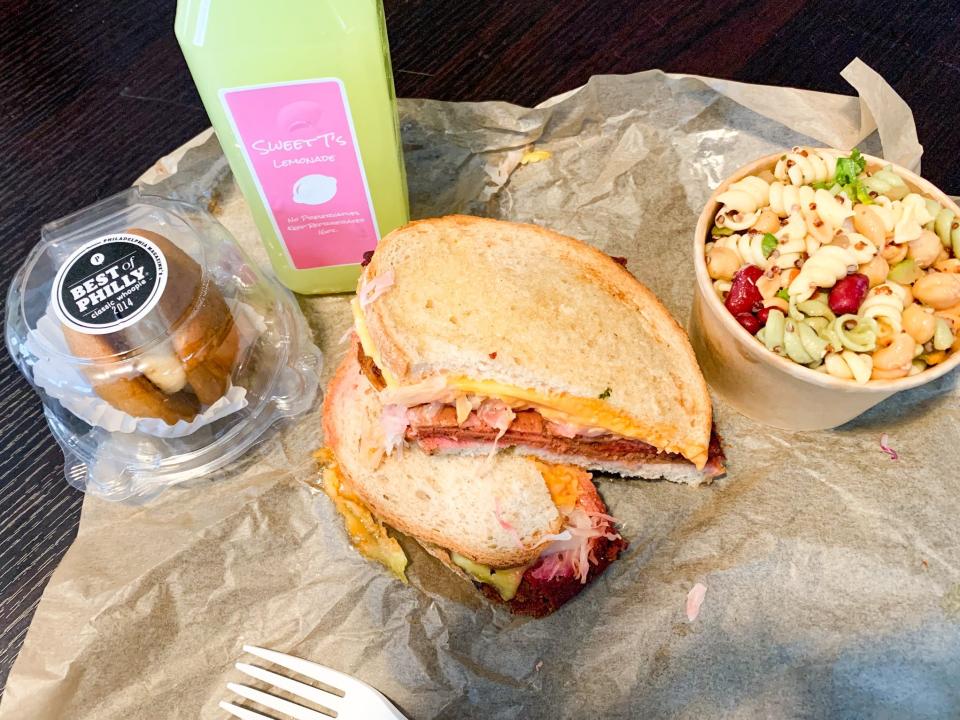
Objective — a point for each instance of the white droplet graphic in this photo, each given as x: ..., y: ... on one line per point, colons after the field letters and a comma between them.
x: 314, y: 189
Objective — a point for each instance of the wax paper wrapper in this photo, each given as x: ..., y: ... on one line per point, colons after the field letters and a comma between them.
x: 831, y: 572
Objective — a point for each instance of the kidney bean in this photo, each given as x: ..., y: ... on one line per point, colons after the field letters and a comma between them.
x: 744, y: 297
x: 848, y: 294
x: 750, y: 322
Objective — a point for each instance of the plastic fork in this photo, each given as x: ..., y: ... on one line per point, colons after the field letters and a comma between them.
x: 348, y: 698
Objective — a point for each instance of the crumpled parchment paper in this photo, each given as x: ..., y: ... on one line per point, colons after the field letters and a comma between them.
x: 832, y: 572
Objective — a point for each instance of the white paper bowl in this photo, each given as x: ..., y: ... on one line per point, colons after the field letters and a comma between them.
x: 762, y: 385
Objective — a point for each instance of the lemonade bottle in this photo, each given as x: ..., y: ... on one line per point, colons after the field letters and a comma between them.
x: 301, y: 96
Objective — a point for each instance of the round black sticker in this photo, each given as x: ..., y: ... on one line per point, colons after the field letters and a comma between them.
x: 109, y: 283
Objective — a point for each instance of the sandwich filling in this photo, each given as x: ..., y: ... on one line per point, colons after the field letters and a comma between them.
x: 436, y: 430
x: 590, y: 415
x: 442, y: 419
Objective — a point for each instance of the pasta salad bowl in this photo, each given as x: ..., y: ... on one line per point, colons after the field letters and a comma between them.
x: 826, y: 281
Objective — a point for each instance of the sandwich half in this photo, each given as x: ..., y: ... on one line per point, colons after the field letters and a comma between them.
x: 529, y: 534
x: 482, y: 334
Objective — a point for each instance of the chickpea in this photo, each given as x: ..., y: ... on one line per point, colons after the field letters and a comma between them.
x: 897, y: 355
x: 768, y: 222
x: 942, y: 257
x: 722, y: 263
x: 876, y: 270
x: 925, y: 249
x: 938, y: 290
x: 869, y: 224
x: 919, y: 323
x: 894, y: 253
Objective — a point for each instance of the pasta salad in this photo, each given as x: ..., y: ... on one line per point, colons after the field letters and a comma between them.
x: 845, y: 271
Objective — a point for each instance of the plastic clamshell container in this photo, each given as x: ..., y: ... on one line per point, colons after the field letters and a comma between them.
x: 159, y: 350
x: 762, y: 385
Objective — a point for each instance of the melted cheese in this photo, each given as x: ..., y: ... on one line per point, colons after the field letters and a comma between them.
x: 559, y: 407
x: 504, y: 580
x: 563, y: 482
x: 366, y: 533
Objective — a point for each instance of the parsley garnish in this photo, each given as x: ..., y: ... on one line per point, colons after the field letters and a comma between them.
x: 605, y: 394
x: 720, y: 231
x: 783, y: 294
x: 768, y: 244
x: 849, y: 167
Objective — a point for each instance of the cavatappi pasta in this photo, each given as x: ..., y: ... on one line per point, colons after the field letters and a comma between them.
x: 848, y: 272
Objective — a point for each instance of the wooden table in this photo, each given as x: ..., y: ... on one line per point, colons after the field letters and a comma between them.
x: 92, y: 93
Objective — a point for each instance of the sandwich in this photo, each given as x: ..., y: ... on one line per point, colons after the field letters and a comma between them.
x: 175, y: 360
x: 482, y: 336
x: 529, y: 534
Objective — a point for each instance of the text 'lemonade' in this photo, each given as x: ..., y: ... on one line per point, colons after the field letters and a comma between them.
x: 301, y: 97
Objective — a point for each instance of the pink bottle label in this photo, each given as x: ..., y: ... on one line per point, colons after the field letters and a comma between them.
x: 300, y: 145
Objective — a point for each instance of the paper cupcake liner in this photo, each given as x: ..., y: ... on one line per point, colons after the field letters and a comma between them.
x: 64, y: 381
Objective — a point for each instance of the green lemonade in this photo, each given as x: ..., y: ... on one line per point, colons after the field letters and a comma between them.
x: 300, y: 93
